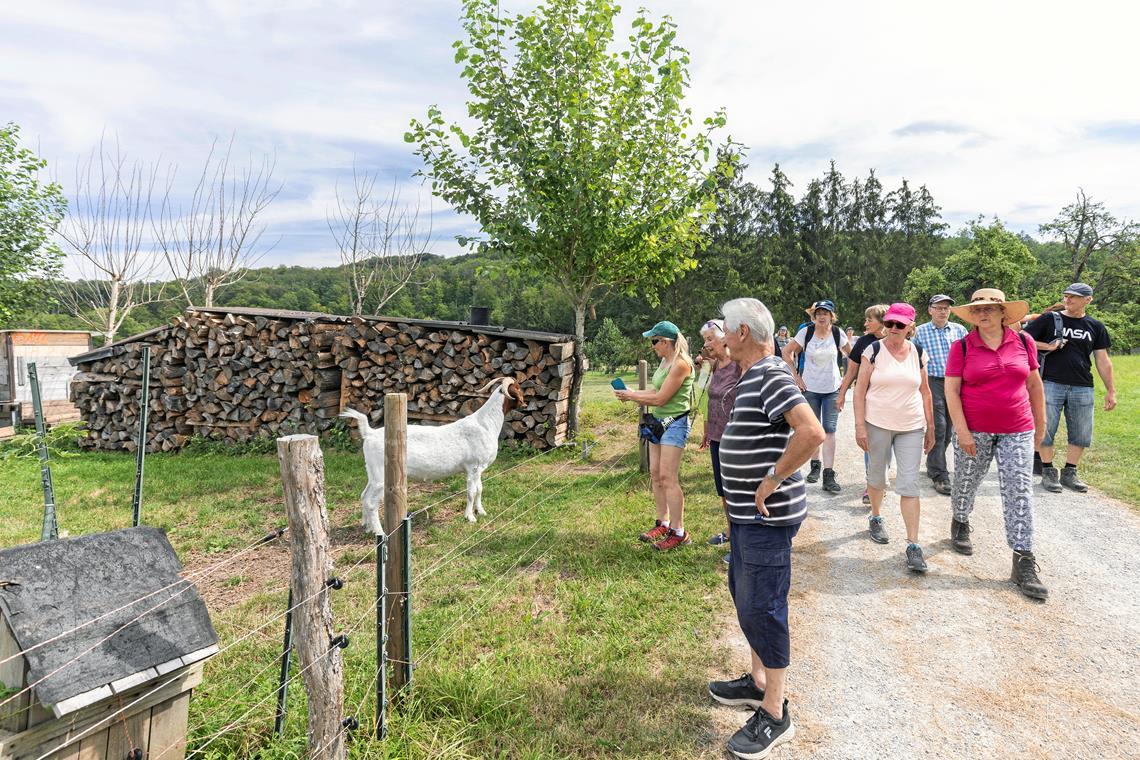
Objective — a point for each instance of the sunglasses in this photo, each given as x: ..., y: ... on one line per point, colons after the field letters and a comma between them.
x: 893, y: 325
x: 655, y: 341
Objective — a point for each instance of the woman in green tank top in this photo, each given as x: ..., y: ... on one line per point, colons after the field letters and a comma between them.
x: 669, y: 401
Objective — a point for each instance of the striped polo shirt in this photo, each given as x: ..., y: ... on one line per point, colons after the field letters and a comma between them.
x: 755, y: 437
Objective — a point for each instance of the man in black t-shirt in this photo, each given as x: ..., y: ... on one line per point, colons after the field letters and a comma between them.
x: 1067, y: 372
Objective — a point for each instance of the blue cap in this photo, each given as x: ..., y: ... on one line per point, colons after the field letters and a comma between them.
x: 1079, y: 289
x: 663, y: 329
x: 824, y: 304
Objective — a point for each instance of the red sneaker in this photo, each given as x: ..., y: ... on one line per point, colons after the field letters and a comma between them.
x: 656, y: 534
x: 673, y: 541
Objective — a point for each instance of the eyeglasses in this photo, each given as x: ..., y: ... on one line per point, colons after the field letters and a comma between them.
x: 985, y: 309
x: 713, y: 324
x: 893, y: 325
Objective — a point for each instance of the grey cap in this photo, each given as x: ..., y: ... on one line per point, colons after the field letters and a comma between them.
x: 1079, y: 289
x: 940, y: 298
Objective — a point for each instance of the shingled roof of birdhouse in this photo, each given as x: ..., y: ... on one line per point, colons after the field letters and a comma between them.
x: 97, y: 615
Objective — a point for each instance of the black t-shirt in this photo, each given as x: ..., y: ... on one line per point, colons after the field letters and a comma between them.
x: 1071, y: 365
x: 862, y: 345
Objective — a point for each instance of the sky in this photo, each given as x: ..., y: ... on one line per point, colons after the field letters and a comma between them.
x: 1001, y: 108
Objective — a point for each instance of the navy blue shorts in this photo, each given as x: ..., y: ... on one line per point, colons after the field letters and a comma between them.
x: 714, y: 449
x: 759, y: 576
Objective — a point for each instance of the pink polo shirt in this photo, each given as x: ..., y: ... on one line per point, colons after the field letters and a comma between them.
x: 994, y: 396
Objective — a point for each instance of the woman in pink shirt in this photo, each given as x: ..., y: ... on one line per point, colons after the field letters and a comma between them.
x: 894, y: 412
x: 997, y: 404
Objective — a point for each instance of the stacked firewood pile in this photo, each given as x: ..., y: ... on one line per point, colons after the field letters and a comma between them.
x: 440, y: 369
x: 242, y: 374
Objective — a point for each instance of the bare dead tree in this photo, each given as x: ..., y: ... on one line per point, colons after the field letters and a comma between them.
x: 380, y: 241
x: 105, y: 235
x: 216, y: 241
x: 1092, y: 236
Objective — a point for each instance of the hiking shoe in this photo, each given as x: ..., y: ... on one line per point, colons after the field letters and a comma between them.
x: 866, y: 497
x: 942, y: 486
x: 1025, y: 576
x: 878, y: 532
x: 718, y: 539
x: 656, y: 534
x: 1069, y: 479
x: 813, y: 473
x: 672, y: 541
x: 960, y: 537
x: 914, y: 560
x: 727, y: 558
x: 829, y: 481
x: 739, y: 692
x: 1050, y: 479
x: 756, y: 739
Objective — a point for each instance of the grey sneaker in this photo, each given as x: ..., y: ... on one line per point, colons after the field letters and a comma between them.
x: 727, y: 558
x: 829, y: 481
x: 960, y: 537
x: 1069, y: 479
x: 878, y: 532
x: 739, y: 692
x: 1025, y: 576
x: 1050, y: 479
x: 813, y: 473
x: 942, y: 487
x: 914, y: 561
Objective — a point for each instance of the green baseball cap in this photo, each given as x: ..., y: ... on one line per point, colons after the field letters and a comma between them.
x: 663, y: 329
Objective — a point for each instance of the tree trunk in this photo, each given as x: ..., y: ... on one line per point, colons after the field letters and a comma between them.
x: 579, y: 365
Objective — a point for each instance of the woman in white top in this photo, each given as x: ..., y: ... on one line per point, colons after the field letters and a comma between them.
x: 894, y: 411
x: 823, y: 346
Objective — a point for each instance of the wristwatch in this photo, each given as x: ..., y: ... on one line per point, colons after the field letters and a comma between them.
x: 771, y: 475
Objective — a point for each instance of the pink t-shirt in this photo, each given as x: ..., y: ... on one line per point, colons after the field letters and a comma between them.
x: 894, y: 397
x: 994, y: 396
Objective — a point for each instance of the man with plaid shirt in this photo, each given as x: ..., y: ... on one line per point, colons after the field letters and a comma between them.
x: 935, y: 337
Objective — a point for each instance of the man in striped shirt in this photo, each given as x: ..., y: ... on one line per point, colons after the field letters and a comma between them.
x: 935, y: 338
x: 772, y: 432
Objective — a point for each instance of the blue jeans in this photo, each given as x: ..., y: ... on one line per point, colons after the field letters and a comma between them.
x: 1077, y: 403
x: 759, y: 577
x: 823, y: 405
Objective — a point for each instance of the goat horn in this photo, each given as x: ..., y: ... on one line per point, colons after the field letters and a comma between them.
x: 504, y: 381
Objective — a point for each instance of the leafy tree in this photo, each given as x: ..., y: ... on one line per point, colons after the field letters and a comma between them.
x: 994, y: 258
x: 30, y: 212
x: 609, y: 349
x: 583, y: 163
x: 1097, y: 244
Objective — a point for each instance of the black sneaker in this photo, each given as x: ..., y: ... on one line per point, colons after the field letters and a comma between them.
x: 878, y: 532
x: 1050, y: 479
x: 1069, y: 479
x: 718, y: 539
x: 829, y: 481
x: 1025, y: 576
x: 914, y: 560
x: 960, y: 537
x: 813, y: 473
x: 739, y: 692
x: 762, y: 732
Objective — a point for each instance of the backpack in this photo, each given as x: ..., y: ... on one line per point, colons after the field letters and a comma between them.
x: 1024, y: 342
x: 836, y: 335
x: 1058, y: 332
x: 877, y: 345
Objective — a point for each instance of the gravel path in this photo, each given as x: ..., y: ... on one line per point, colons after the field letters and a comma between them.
x: 958, y: 663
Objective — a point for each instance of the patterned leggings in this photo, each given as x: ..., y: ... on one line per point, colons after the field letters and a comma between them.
x: 1014, y: 453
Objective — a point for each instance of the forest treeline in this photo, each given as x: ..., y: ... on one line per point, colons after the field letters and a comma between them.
x: 851, y: 240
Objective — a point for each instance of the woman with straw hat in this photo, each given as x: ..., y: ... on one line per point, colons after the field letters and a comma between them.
x: 997, y: 405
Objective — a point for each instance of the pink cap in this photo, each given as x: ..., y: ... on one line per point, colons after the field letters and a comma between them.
x: 900, y: 312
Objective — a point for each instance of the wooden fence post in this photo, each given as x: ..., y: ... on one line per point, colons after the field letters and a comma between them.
x: 395, y: 510
x: 303, y: 478
x: 642, y: 382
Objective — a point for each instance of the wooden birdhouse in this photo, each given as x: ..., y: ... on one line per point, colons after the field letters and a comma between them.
x: 101, y: 643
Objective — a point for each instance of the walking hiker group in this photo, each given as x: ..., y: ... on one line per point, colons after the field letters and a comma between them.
x: 774, y: 400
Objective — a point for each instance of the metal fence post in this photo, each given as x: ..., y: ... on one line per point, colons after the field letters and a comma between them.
x: 407, y: 594
x: 381, y: 635
x: 50, y: 529
x: 283, y: 681
x: 140, y: 454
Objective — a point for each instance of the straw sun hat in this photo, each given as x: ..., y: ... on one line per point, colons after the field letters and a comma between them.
x: 1014, y: 310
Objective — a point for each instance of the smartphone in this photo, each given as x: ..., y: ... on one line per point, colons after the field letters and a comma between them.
x: 618, y: 384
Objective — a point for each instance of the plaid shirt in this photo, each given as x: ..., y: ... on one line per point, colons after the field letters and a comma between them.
x: 936, y: 344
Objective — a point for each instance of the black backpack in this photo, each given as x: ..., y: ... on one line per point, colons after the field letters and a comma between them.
x: 836, y: 334
x: 1058, y: 332
x: 877, y: 345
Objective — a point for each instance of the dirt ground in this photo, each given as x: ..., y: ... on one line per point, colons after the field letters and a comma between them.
x: 957, y: 663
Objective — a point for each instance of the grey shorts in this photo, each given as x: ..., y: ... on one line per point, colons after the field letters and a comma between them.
x: 908, y: 458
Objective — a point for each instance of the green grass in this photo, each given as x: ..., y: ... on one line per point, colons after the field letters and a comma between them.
x: 1111, y: 463
x: 547, y: 630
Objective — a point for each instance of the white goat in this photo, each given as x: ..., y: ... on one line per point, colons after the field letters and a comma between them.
x: 434, y: 452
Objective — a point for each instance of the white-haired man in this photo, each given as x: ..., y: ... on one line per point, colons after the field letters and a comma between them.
x: 772, y: 432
